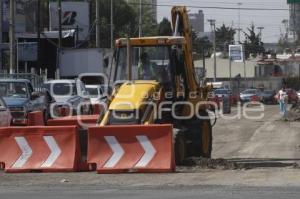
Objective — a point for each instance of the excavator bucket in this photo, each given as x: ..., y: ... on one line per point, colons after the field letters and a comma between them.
x: 131, y: 148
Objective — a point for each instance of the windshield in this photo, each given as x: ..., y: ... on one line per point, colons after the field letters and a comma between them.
x: 221, y: 91
x: 13, y: 89
x: 62, y: 89
x: 93, y: 91
x: 249, y: 92
x: 269, y: 92
x: 148, y: 63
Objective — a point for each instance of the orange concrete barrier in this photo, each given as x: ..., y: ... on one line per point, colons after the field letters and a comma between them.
x: 97, y: 108
x: 118, y: 149
x: 40, y: 149
x: 36, y: 119
x: 74, y: 120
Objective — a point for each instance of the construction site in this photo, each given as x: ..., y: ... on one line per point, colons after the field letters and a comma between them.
x: 143, y: 119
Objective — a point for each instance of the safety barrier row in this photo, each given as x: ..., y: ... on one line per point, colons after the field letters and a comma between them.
x: 112, y: 149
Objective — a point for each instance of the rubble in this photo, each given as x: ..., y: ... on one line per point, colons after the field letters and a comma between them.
x: 293, y: 114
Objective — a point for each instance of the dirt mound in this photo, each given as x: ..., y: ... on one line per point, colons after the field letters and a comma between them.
x: 196, y: 164
x: 205, y: 163
x: 293, y: 114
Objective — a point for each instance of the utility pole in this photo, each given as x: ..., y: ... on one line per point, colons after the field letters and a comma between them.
x: 213, y: 30
x: 140, y: 20
x: 260, y: 36
x: 59, y: 8
x: 12, y: 41
x: 1, y: 11
x: 112, y: 24
x: 239, y: 22
x: 98, y: 23
x: 260, y: 33
x: 38, y: 33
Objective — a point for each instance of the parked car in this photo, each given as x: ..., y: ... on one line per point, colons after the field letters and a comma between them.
x: 268, y: 96
x: 21, y: 99
x: 248, y: 94
x: 298, y: 93
x: 70, y: 95
x: 96, y: 93
x: 5, y: 116
x: 225, y: 96
x: 292, y: 95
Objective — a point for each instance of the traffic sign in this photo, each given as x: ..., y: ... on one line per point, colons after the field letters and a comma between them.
x: 236, y: 53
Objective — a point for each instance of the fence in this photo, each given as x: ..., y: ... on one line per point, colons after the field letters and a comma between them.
x: 36, y: 80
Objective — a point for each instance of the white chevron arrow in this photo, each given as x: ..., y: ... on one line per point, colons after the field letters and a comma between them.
x: 26, y: 152
x: 118, y: 151
x: 55, y: 151
x: 149, y: 151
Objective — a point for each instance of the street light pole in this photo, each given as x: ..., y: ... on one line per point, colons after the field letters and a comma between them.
x: 260, y: 33
x: 1, y: 9
x: 140, y: 20
x: 59, y: 24
x: 12, y: 41
x: 112, y: 23
x: 38, y: 33
x: 98, y: 23
x: 239, y: 18
x: 213, y: 29
x: 260, y: 37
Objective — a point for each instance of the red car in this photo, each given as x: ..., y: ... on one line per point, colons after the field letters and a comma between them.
x: 292, y: 95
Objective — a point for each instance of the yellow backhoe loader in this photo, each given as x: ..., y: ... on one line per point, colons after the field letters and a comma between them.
x: 155, y: 83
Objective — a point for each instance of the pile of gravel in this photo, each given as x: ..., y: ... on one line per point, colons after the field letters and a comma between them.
x: 293, y: 114
x: 205, y: 163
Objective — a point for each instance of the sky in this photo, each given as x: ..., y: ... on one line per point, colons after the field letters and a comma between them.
x: 270, y: 20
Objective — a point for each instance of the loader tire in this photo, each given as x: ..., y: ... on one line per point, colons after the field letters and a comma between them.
x: 199, y: 134
x: 180, y: 149
x: 206, y: 139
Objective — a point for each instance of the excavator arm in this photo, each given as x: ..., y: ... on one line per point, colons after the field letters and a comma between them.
x: 181, y: 27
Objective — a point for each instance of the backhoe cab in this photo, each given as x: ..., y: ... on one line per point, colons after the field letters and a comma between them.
x: 155, y: 83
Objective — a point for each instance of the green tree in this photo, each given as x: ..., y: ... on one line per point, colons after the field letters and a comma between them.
x: 252, y: 43
x: 125, y: 23
x: 201, y: 46
x: 165, y: 28
x: 149, y: 23
x: 224, y: 37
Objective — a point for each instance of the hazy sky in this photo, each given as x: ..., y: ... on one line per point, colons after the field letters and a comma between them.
x: 270, y: 20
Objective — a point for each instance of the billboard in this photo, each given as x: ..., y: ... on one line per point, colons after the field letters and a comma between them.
x: 20, y: 17
x: 27, y: 51
x: 236, y: 53
x: 75, y: 15
x: 293, y: 1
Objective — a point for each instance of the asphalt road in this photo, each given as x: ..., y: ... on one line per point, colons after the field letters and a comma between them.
x: 270, y: 146
x: 203, y: 192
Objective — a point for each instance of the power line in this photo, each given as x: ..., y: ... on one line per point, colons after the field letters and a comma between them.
x: 216, y: 7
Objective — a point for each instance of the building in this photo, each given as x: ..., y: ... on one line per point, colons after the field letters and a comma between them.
x: 294, y: 17
x: 197, y: 21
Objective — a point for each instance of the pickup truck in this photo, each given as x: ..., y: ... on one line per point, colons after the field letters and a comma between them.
x: 21, y: 99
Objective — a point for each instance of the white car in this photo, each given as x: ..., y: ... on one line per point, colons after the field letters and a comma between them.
x: 70, y: 94
x: 5, y: 116
x: 97, y: 93
x: 298, y: 93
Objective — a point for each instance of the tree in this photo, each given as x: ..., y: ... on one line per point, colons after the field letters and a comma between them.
x: 201, y: 45
x: 149, y: 23
x: 224, y: 37
x: 125, y: 23
x: 165, y: 28
x: 252, y: 43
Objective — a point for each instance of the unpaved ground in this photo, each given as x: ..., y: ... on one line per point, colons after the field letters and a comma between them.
x: 266, y: 139
x: 261, y: 152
